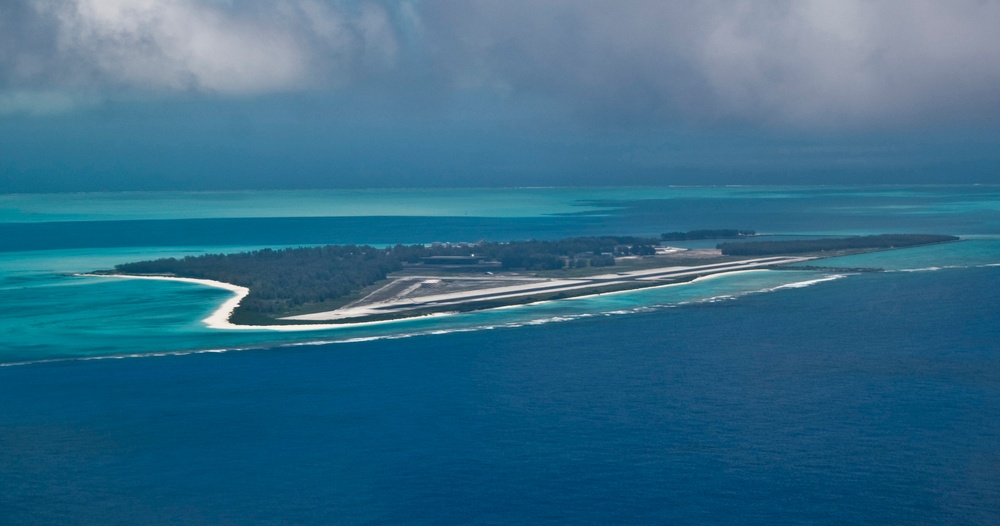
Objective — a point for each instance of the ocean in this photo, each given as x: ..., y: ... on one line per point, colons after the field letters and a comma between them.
x: 770, y: 397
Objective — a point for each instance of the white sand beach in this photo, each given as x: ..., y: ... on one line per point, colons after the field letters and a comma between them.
x: 399, y: 306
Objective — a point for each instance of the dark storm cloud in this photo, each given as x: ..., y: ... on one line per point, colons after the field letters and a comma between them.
x: 811, y: 63
x: 803, y: 64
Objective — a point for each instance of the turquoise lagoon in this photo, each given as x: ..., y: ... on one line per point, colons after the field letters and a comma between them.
x: 47, y: 312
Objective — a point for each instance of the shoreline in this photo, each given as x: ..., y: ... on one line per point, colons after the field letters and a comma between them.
x: 219, y: 319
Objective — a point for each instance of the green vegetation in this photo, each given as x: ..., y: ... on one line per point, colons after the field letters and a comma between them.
x: 767, y: 248
x: 301, y: 279
x: 280, y: 280
x: 706, y: 234
x: 283, y: 280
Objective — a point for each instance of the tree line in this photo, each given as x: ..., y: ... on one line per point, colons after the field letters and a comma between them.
x: 766, y: 248
x: 281, y: 280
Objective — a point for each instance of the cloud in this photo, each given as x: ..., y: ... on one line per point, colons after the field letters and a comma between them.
x: 196, y: 46
x: 812, y: 64
x: 830, y: 62
x: 799, y: 63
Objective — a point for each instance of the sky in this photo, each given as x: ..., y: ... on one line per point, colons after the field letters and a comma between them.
x: 113, y: 95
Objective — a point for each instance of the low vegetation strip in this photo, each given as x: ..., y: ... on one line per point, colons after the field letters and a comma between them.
x: 283, y: 280
x: 882, y: 241
x: 693, y: 235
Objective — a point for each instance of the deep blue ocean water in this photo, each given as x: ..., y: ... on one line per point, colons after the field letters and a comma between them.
x: 758, y: 398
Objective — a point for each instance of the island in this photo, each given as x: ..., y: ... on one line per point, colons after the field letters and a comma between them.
x: 338, y: 284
